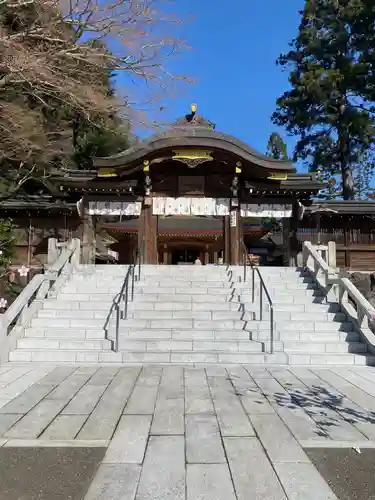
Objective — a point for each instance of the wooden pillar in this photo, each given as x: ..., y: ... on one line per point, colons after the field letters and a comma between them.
x: 235, y: 236
x: 287, y: 242
x: 147, y: 233
x: 226, y: 238
x: 87, y: 235
x: 294, y: 244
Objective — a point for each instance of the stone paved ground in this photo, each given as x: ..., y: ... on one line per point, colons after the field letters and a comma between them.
x: 186, y: 433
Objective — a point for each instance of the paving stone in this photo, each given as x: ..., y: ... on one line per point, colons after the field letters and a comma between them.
x: 255, y: 403
x: 150, y: 376
x: 114, y: 482
x: 320, y: 403
x: 26, y: 380
x: 195, y: 377
x: 64, y: 427
x: 36, y: 421
x: 277, y: 440
x: 163, y: 472
x: 28, y: 399
x: 55, y: 443
x: 103, y: 376
x: 252, y: 472
x: 85, y: 400
x: 301, y: 424
x: 56, y: 376
x: 233, y: 420
x: 129, y: 442
x: 203, y: 440
x: 7, y: 421
x: 302, y: 480
x: 198, y: 401
x: 209, y: 482
x: 142, y: 401
x: 172, y: 383
x: 14, y: 374
x: 70, y: 386
x: 168, y: 417
x: 104, y: 419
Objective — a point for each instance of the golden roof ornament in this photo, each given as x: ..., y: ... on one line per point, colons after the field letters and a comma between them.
x: 194, y: 120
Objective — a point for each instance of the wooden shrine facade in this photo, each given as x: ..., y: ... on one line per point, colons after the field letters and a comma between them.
x: 190, y: 191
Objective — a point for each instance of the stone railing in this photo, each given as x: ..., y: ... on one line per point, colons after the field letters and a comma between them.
x: 358, y: 309
x: 29, y: 301
x: 318, y: 259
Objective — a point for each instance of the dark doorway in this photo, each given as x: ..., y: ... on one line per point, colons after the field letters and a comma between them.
x: 185, y: 256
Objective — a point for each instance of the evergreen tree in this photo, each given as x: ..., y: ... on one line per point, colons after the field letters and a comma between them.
x: 329, y: 105
x: 276, y: 147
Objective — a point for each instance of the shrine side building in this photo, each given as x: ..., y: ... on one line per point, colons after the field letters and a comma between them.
x: 190, y: 192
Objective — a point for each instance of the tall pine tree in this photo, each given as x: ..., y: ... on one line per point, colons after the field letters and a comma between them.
x: 329, y: 106
x: 276, y: 147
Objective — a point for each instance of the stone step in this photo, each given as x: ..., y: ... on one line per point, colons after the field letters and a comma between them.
x: 310, y: 307
x: 163, y: 345
x: 313, y: 347
x: 107, y: 298
x: 85, y: 297
x: 184, y: 290
x: 68, y: 333
x: 58, y: 356
x: 183, y: 324
x: 184, y: 306
x: 79, y: 323
x: 73, y: 313
x: 284, y: 294
x: 181, y: 334
x: 163, y: 283
x: 193, y: 315
x: 73, y: 305
x: 330, y: 359
x: 305, y: 316
x: 276, y: 286
x: 301, y: 326
x: 154, y: 357
x: 329, y: 336
x: 184, y: 298
x: 63, y: 343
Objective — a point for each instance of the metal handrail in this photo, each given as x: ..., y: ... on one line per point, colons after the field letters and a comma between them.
x: 123, y: 297
x: 263, y: 287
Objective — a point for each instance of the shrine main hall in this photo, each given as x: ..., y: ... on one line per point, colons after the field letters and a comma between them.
x: 188, y: 192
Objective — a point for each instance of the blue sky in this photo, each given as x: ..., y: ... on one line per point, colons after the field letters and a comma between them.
x: 234, y: 46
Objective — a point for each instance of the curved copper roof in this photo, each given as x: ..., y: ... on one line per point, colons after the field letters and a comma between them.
x: 193, y: 131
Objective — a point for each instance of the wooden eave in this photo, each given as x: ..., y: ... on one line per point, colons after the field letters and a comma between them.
x: 187, y: 137
x: 17, y: 205
x: 342, y: 207
x: 96, y: 185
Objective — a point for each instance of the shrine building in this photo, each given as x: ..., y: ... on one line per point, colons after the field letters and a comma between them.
x: 190, y: 191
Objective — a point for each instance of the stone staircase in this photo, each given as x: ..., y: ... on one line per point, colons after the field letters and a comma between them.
x: 191, y: 314
x: 308, y: 328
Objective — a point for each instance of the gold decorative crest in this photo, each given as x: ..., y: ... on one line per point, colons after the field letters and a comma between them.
x: 277, y: 176
x: 192, y: 158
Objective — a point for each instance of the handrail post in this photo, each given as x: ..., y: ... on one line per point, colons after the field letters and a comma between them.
x: 252, y: 284
x: 117, y: 327
x: 261, y: 303
x: 126, y: 296
x: 133, y: 272
x: 139, y: 265
x: 271, y: 332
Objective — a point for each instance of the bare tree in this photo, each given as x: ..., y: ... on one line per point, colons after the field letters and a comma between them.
x: 55, y: 58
